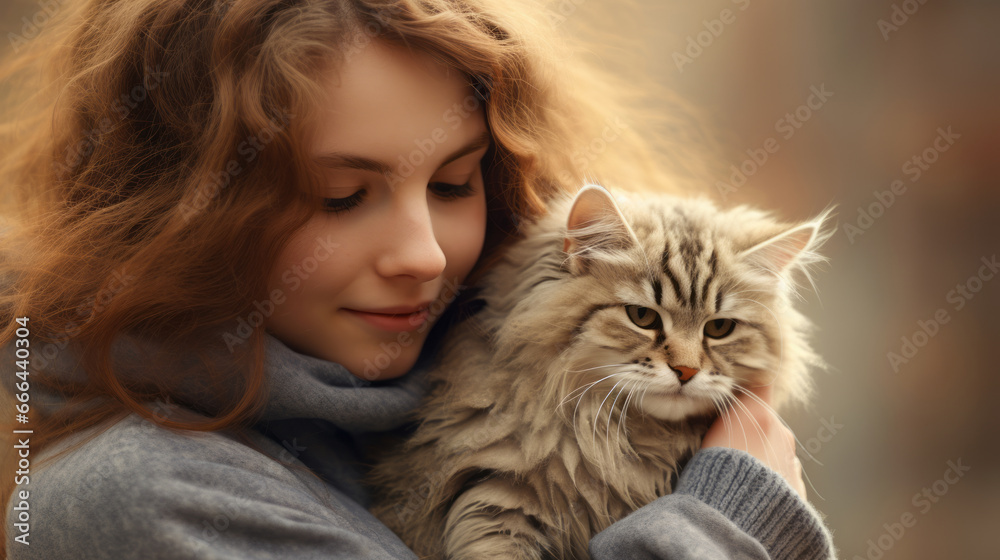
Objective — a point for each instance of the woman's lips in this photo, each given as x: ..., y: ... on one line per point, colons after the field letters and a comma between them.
x: 400, y: 322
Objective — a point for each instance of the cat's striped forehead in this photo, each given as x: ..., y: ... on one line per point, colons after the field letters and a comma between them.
x: 683, y: 254
x: 684, y: 250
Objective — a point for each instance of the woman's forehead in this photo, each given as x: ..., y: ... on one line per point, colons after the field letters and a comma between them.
x: 383, y: 99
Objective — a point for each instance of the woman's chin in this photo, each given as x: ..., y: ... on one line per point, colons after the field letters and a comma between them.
x: 382, y: 366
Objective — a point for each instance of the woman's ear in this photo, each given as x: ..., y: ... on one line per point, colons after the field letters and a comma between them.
x: 595, y: 225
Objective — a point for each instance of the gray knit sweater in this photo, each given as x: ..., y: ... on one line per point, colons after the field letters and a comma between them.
x: 139, y: 491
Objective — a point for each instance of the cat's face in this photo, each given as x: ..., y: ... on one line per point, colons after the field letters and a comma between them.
x: 675, y: 305
x: 687, y: 330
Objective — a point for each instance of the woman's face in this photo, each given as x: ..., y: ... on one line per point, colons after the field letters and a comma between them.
x: 400, y: 139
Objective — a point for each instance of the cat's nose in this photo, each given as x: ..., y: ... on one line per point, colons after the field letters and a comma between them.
x: 684, y: 373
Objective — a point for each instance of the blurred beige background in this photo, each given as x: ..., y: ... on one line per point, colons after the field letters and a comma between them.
x: 883, y: 431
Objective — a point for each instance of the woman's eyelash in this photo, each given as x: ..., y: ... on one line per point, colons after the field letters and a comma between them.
x: 338, y: 205
x: 446, y: 191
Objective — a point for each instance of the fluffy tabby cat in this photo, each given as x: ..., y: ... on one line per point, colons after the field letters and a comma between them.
x: 612, y: 335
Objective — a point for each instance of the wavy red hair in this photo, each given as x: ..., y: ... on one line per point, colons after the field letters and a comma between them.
x: 125, y: 214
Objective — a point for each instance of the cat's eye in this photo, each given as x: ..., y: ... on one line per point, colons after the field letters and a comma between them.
x: 719, y: 328
x: 643, y: 317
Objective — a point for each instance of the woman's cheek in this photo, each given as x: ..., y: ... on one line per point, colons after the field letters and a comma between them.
x: 467, y: 231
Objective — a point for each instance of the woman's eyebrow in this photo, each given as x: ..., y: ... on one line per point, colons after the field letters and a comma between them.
x: 341, y: 160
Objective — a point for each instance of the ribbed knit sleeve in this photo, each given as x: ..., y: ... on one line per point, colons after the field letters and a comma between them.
x: 727, y: 505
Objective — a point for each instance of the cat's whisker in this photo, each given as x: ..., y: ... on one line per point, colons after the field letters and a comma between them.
x: 719, y: 403
x: 763, y: 403
x: 607, y: 428
x: 725, y: 418
x: 580, y: 399
x: 715, y: 403
x: 811, y: 485
x: 804, y: 473
x: 622, y: 425
x: 595, y: 367
x: 588, y: 386
x: 631, y: 392
x: 746, y: 441
x: 730, y: 428
x: 644, y: 391
x: 768, y: 446
x: 566, y: 380
x: 621, y: 416
x: 597, y: 413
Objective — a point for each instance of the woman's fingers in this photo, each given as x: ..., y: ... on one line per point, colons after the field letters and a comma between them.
x: 751, y: 426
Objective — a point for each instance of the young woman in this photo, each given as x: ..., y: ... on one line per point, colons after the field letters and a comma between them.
x: 237, y: 230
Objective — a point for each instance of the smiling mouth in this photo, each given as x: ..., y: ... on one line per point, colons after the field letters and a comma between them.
x: 393, y: 322
x: 390, y: 314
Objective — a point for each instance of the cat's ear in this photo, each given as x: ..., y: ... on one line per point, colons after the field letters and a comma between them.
x: 595, y: 225
x: 778, y: 252
x: 792, y: 247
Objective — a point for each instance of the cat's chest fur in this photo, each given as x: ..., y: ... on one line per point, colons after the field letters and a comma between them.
x: 497, y: 435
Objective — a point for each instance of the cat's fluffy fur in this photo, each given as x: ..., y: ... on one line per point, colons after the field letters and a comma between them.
x: 554, y: 414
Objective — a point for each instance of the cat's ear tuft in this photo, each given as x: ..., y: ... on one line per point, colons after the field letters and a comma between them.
x: 778, y: 252
x: 595, y: 225
x: 795, y: 247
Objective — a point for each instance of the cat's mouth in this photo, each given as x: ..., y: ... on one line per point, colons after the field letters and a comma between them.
x: 681, y: 393
x: 676, y: 403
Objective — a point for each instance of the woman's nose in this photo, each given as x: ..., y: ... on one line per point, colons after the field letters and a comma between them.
x: 412, y: 248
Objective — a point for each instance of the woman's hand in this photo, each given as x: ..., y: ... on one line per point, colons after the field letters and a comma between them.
x: 753, y: 428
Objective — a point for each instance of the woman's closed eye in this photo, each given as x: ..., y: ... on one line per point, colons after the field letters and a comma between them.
x: 447, y: 191
x: 338, y: 205
x: 444, y: 191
